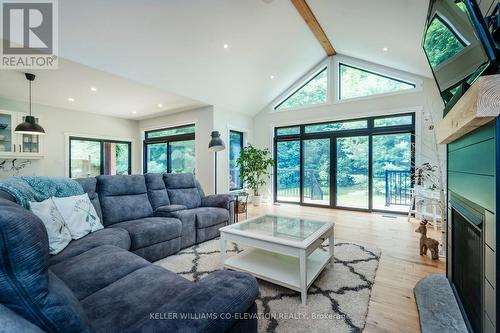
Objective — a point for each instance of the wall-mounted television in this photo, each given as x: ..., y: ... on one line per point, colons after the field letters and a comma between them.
x: 458, y: 46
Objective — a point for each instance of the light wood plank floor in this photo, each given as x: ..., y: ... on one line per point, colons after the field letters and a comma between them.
x: 392, y: 305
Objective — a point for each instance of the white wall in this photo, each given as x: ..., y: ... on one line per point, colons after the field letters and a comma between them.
x: 425, y: 98
x: 203, y: 118
x: 224, y: 121
x: 60, y: 122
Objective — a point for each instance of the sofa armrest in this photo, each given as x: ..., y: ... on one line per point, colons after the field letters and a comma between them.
x: 218, y: 200
x: 215, y: 304
x: 162, y: 210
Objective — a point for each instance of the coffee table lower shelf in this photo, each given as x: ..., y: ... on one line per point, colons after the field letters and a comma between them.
x: 277, y: 268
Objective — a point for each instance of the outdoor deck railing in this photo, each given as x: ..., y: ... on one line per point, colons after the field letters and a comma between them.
x: 397, y: 187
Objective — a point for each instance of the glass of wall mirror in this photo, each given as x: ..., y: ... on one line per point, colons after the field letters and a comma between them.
x: 6, y: 133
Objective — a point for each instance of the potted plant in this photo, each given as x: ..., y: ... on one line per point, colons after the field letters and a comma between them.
x: 254, y: 164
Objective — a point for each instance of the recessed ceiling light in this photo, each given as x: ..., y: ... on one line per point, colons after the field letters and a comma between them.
x: 71, y: 99
x: 272, y: 77
x: 94, y: 89
x: 160, y: 105
x: 226, y: 46
x: 134, y: 112
x: 385, y: 49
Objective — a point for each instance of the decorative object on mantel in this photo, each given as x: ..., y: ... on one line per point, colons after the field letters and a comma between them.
x: 29, y: 126
x: 479, y: 105
x: 13, y: 167
x: 427, y: 243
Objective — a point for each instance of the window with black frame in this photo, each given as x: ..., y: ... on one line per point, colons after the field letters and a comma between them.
x: 235, y: 148
x: 362, y: 164
x: 170, y: 150
x: 90, y: 157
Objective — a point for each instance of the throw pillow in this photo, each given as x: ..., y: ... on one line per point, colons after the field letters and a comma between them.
x: 79, y: 215
x: 59, y: 235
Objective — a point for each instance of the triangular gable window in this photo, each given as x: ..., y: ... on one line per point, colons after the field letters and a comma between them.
x: 313, y: 91
x: 357, y: 82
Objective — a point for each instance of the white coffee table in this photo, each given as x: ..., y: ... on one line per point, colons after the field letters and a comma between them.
x: 282, y: 250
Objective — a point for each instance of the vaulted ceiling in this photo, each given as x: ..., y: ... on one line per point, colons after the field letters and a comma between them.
x: 177, y: 46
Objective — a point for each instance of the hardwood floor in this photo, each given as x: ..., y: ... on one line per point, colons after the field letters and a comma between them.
x: 392, y: 305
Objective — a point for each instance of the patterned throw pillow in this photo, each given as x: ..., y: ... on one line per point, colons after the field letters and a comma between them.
x: 79, y: 215
x: 59, y: 235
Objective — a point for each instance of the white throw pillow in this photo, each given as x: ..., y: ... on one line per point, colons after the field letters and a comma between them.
x: 79, y: 215
x: 59, y: 235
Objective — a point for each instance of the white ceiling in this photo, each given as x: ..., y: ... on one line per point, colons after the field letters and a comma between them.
x: 177, y: 45
x: 170, y: 49
x: 115, y: 96
x: 362, y: 28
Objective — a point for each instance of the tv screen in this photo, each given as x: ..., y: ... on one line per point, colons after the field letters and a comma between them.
x: 457, y: 45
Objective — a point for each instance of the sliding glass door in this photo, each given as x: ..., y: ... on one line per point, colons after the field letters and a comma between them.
x: 392, y: 171
x: 360, y: 164
x: 316, y: 171
x: 352, y: 172
x: 288, y: 171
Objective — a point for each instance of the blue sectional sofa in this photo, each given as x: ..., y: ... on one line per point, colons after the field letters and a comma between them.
x: 105, y: 282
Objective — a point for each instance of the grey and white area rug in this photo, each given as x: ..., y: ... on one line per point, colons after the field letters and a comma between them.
x: 336, y: 302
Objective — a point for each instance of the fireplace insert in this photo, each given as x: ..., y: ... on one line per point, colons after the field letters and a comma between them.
x: 467, y: 261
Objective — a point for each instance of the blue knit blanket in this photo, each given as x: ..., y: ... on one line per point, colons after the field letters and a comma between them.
x: 25, y: 189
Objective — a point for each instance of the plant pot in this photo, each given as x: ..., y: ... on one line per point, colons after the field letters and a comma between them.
x: 256, y: 200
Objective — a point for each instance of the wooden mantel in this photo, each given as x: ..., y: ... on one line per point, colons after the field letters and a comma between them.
x: 479, y: 105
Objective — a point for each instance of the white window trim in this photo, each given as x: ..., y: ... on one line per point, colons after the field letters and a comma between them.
x: 307, y: 77
x: 333, y: 83
x: 67, y: 137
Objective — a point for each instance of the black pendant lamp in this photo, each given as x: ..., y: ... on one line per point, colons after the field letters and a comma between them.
x: 29, y: 126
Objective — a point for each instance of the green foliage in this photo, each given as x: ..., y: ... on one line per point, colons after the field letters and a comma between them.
x: 441, y: 43
x: 314, y: 92
x: 356, y: 82
x: 254, y: 164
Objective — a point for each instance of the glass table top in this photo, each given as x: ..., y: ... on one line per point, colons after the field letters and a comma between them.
x: 286, y: 228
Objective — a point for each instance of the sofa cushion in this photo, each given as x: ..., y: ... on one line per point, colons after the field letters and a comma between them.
x: 90, y: 186
x: 182, y: 189
x: 210, y: 216
x: 108, y: 236
x: 179, y: 180
x: 151, y: 230
x: 97, y: 268
x: 12, y: 322
x: 123, y: 198
x: 157, y: 192
x: 188, y: 219
x: 27, y: 287
x: 159, y: 251
x: 121, y: 305
x: 189, y: 197
x: 218, y: 294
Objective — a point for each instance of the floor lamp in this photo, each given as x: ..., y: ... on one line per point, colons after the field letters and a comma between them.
x: 216, y: 144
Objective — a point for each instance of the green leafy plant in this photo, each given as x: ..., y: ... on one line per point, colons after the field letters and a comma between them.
x: 254, y: 164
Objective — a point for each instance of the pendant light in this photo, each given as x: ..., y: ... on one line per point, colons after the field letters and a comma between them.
x: 29, y: 126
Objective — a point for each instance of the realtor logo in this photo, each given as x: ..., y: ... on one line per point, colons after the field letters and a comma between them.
x: 29, y: 34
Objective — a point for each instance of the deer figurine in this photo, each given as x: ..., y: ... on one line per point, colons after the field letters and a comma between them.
x: 427, y: 243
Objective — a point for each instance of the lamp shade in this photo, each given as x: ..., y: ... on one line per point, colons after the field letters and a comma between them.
x: 216, y: 143
x: 29, y: 126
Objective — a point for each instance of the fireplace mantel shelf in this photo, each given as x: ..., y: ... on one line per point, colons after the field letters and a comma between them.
x: 479, y: 105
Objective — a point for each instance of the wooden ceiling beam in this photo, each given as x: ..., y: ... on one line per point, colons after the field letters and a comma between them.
x: 308, y: 16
